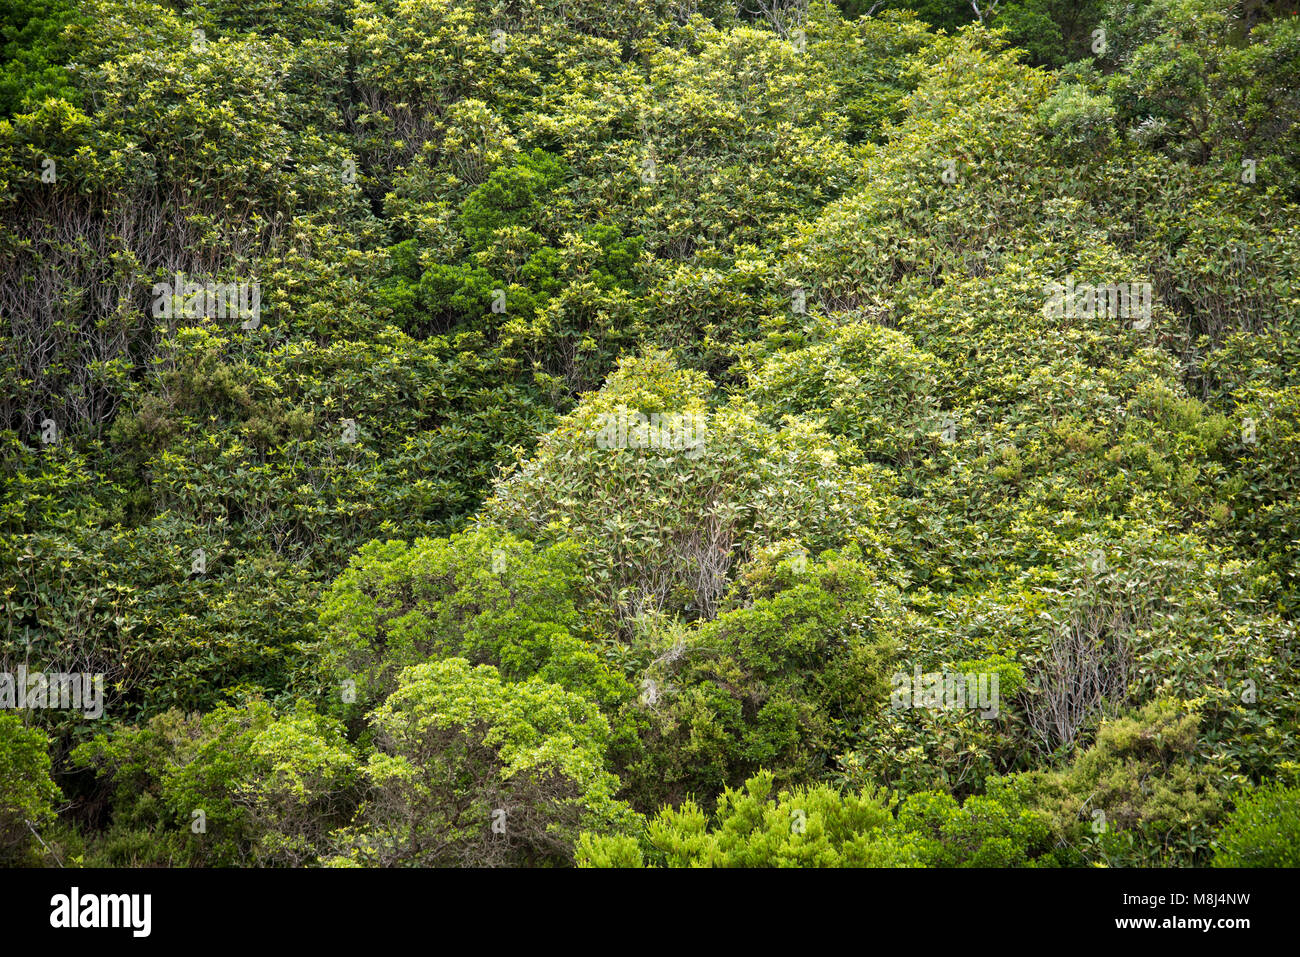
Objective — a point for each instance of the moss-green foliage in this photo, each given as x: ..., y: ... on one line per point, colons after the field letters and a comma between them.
x: 1136, y: 797
x: 37, y: 42
x: 1263, y: 830
x: 1140, y: 795
x: 754, y: 826
x: 638, y: 391
x: 484, y: 596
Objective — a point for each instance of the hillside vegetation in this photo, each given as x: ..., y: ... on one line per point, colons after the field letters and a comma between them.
x: 655, y: 433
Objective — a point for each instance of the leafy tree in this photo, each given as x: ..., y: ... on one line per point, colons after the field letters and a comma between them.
x: 470, y: 769
x: 237, y: 786
x: 28, y: 797
x: 484, y: 596
x: 773, y: 684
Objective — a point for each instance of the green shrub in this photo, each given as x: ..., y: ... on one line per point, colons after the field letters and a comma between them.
x: 1142, y: 795
x: 773, y: 685
x: 1262, y: 830
x: 814, y: 826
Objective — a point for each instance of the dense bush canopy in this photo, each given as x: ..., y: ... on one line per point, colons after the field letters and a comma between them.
x: 650, y: 434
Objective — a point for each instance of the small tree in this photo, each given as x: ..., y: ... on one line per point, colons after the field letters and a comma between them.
x: 27, y: 795
x: 472, y: 770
